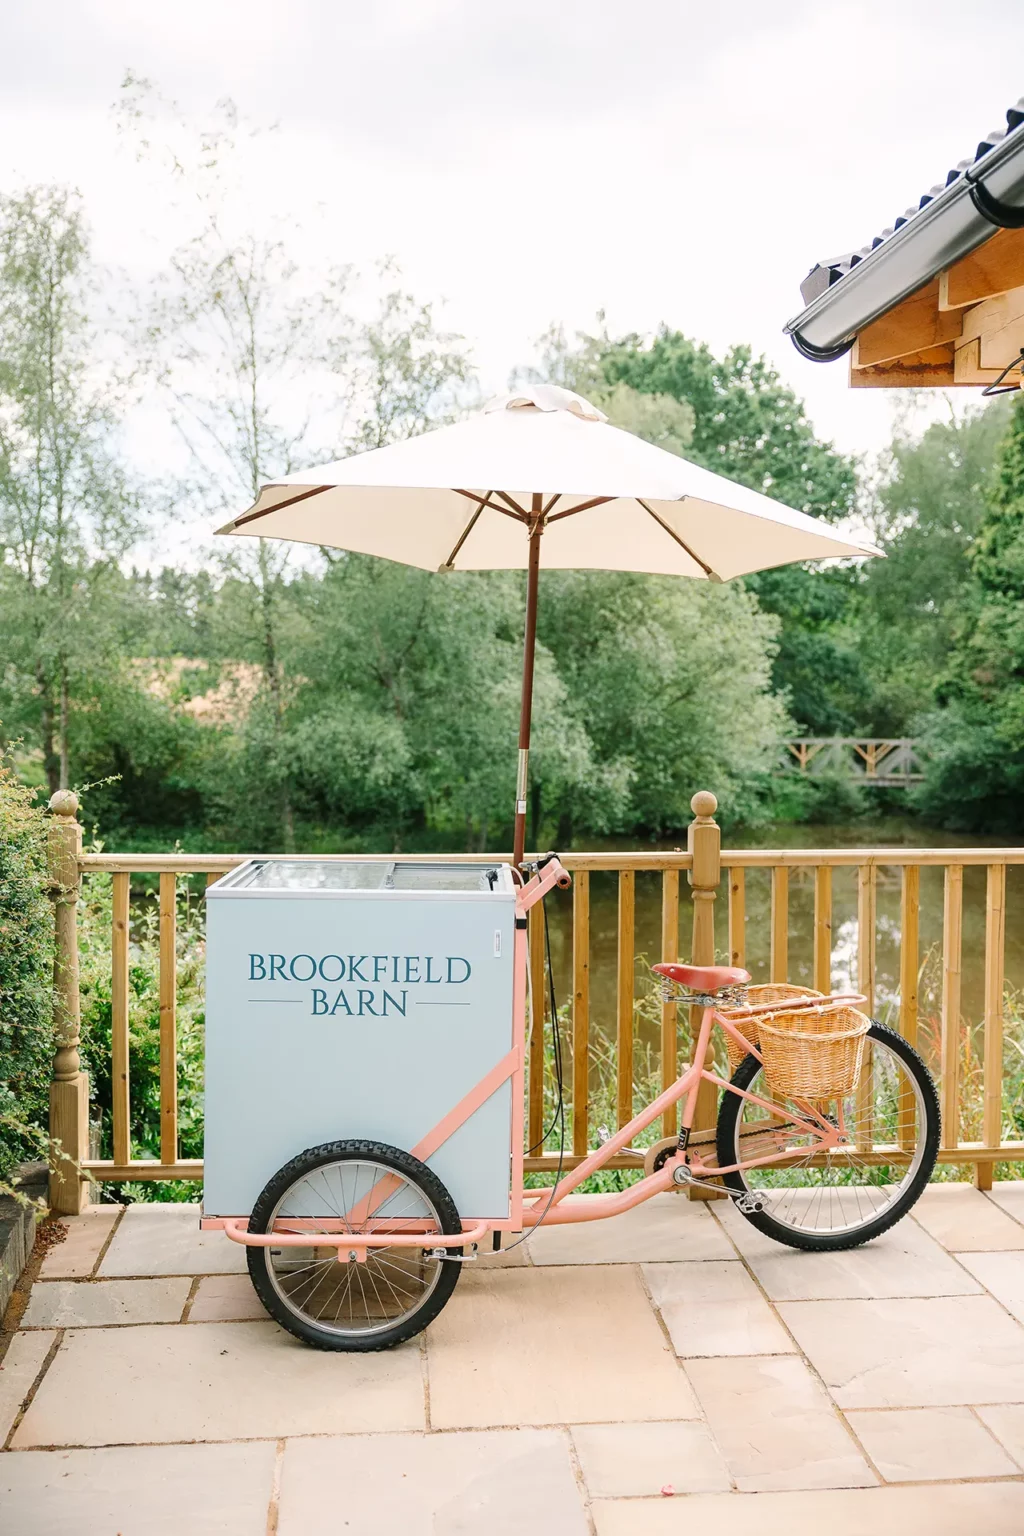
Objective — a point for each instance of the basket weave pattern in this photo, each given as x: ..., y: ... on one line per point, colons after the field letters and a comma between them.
x: 816, y: 1053
x: 767, y: 992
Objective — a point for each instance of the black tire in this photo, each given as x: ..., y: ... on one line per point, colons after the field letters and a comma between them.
x: 823, y: 1242
x: 259, y: 1259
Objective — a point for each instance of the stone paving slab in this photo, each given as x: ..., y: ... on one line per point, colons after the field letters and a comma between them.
x: 1007, y: 1424
x: 166, y: 1240
x: 905, y: 1261
x: 516, y: 1482
x: 963, y: 1219
x: 166, y: 1490
x: 1008, y: 1194
x: 918, y: 1445
x: 223, y: 1381
x: 664, y: 1228
x: 715, y: 1309
x: 775, y: 1426
x: 75, y: 1257
x: 1002, y: 1275
x: 226, y: 1299
x: 626, y: 1460
x: 552, y: 1346
x: 966, y: 1509
x: 104, y: 1303
x: 21, y: 1365
x: 919, y: 1353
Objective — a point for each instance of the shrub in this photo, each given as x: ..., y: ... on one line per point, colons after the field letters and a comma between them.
x: 26, y: 960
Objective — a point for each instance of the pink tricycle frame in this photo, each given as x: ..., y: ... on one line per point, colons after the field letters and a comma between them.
x: 528, y: 1208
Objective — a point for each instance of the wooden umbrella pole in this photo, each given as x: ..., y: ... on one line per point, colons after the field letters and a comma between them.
x: 529, y: 648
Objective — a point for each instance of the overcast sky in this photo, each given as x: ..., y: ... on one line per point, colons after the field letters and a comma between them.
x: 663, y: 160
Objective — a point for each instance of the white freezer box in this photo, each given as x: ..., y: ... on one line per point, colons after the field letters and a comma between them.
x: 362, y: 1000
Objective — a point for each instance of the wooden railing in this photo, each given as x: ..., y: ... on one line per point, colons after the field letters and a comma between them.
x: 891, y: 760
x: 707, y: 870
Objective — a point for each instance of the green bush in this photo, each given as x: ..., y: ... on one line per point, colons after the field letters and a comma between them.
x: 26, y: 960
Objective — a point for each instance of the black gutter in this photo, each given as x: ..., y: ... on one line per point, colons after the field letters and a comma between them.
x: 989, y: 194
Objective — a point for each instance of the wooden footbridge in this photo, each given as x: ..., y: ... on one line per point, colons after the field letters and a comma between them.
x: 891, y: 761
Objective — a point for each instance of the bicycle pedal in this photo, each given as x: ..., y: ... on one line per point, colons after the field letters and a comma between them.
x: 750, y: 1204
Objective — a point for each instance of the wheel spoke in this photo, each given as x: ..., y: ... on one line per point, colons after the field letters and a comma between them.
x: 842, y: 1190
x: 353, y: 1297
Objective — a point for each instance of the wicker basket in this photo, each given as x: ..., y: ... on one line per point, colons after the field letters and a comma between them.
x: 815, y: 1054
x: 768, y: 992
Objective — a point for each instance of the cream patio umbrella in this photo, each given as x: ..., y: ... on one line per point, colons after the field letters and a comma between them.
x: 541, y: 464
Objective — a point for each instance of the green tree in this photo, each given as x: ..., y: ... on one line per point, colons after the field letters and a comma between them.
x: 976, y: 736
x: 266, y: 372
x: 67, y: 514
x: 747, y: 425
x: 929, y: 505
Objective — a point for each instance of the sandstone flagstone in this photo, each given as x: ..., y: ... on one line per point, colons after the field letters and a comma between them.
x: 167, y: 1490
x: 911, y: 1353
x: 667, y: 1227
x: 1008, y: 1194
x: 20, y: 1367
x: 927, y: 1444
x: 76, y: 1256
x: 516, y: 1482
x: 1002, y: 1274
x: 715, y: 1309
x: 225, y: 1299
x: 103, y: 1303
x: 963, y: 1219
x: 905, y: 1261
x: 621, y: 1460
x: 166, y: 1240
x: 552, y: 1346
x: 775, y: 1426
x: 223, y: 1381
x: 1007, y: 1424
x: 988, y: 1509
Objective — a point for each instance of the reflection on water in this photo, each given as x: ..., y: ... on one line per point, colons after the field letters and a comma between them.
x: 861, y: 834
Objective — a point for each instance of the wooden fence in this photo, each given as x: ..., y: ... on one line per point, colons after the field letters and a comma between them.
x: 709, y: 873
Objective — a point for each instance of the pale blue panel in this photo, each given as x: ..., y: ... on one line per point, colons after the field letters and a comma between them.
x: 280, y: 1078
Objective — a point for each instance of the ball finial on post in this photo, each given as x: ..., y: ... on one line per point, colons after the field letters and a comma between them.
x: 704, y: 804
x: 64, y: 803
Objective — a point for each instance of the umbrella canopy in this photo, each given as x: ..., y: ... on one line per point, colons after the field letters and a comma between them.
x: 541, y: 464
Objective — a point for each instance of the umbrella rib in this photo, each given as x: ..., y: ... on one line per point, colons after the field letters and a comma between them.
x: 556, y: 497
x: 712, y: 575
x: 584, y: 506
x: 485, y: 502
x: 464, y: 535
x: 290, y: 502
x: 507, y: 499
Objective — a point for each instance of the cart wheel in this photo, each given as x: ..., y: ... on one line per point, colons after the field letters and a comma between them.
x: 340, y: 1303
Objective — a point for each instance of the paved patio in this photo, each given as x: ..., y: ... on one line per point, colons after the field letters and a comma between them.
x: 669, y: 1370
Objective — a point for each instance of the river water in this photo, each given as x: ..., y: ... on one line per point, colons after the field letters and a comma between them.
x: 891, y: 832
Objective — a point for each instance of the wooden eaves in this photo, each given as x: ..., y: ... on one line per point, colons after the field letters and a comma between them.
x: 962, y: 328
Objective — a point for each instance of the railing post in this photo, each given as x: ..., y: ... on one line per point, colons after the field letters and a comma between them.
x: 704, y: 845
x: 69, y: 1089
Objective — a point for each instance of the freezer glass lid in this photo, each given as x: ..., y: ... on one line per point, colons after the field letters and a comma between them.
x: 383, y: 875
x: 313, y: 875
x: 442, y: 877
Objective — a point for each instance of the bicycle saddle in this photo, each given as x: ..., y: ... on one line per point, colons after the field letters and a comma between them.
x: 704, y: 978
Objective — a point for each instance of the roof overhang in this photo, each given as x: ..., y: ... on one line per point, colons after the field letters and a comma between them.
x: 962, y: 217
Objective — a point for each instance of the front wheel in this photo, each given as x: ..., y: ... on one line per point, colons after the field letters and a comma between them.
x: 837, y: 1199
x: 328, y: 1299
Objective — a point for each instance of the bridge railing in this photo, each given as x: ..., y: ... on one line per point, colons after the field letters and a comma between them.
x: 883, y: 760
x: 704, y: 869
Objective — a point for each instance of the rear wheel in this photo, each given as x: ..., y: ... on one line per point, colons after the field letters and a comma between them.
x: 342, y: 1303
x: 847, y: 1196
